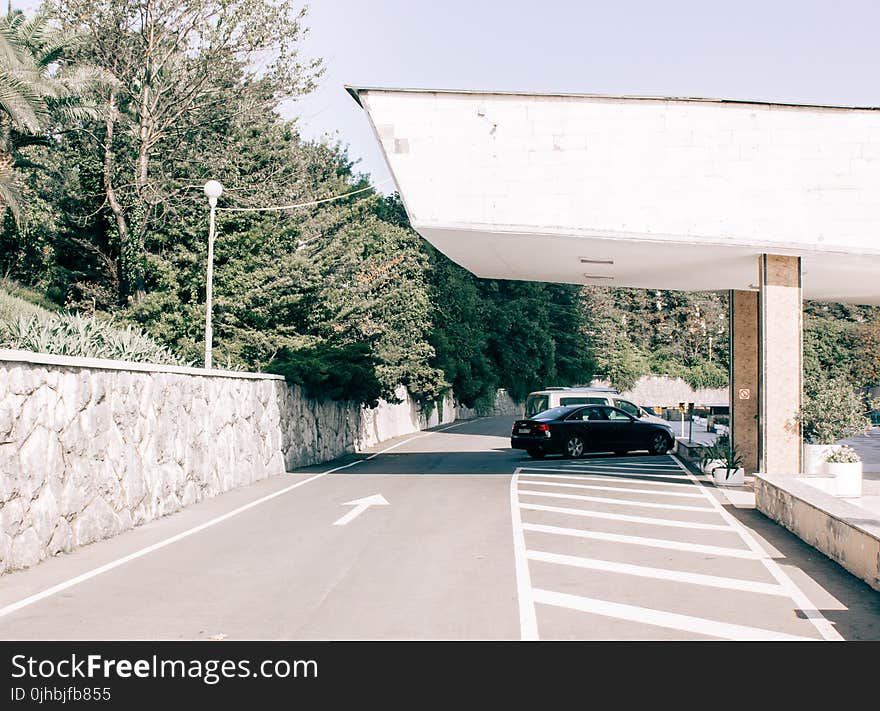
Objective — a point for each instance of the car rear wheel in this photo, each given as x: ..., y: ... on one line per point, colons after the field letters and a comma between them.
x: 659, y: 444
x: 574, y: 447
x: 535, y: 453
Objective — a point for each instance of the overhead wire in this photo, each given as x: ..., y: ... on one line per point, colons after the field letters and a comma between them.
x: 310, y: 203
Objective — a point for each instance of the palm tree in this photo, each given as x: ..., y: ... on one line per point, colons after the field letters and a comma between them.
x: 38, y: 83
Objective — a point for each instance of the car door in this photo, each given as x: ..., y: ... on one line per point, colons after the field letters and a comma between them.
x: 627, y: 430
x: 576, y: 423
x: 601, y: 432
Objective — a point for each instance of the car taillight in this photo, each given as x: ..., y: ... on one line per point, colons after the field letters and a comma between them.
x: 542, y: 428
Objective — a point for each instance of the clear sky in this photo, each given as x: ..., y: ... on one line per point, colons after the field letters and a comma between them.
x: 809, y: 51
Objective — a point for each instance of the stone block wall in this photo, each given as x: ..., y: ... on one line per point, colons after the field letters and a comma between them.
x: 88, y: 450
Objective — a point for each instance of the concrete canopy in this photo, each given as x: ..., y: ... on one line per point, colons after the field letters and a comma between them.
x: 659, y: 193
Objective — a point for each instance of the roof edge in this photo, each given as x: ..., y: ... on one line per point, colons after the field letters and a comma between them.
x: 355, y: 92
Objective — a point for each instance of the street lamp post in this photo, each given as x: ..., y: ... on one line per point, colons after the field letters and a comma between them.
x: 213, y: 190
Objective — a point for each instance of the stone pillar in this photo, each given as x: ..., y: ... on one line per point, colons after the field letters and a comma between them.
x: 780, y: 357
x: 744, y: 369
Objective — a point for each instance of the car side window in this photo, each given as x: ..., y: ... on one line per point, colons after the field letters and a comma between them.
x: 582, y: 401
x: 596, y: 414
x: 583, y: 415
x: 618, y: 415
x: 628, y: 408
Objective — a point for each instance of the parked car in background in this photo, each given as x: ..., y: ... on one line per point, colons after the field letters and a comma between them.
x: 574, y: 430
x: 542, y: 400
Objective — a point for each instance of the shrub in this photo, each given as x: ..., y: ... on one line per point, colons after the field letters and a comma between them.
x: 87, y: 337
x: 706, y: 375
x: 335, y: 372
x: 832, y: 410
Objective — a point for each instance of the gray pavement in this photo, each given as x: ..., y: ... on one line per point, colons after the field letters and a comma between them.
x: 477, y: 542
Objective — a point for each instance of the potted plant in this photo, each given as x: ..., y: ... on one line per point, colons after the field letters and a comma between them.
x: 845, y: 466
x: 731, y: 472
x: 831, y: 411
x: 713, y: 455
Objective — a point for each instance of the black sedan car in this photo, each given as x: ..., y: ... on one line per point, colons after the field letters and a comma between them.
x: 574, y: 430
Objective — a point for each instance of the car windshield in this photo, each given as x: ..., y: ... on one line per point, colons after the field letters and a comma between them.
x: 554, y: 413
x: 536, y: 404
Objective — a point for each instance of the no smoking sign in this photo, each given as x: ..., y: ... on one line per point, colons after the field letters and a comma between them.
x: 745, y: 394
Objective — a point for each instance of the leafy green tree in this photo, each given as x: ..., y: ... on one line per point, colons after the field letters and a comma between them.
x: 865, y: 346
x: 831, y: 410
x: 185, y: 71
x: 39, y: 83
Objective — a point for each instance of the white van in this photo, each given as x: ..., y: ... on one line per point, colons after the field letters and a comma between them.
x: 541, y: 400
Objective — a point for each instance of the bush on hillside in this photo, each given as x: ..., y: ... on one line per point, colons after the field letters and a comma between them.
x: 332, y: 372
x: 76, y: 335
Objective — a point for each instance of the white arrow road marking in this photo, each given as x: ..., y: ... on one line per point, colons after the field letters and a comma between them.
x: 360, y: 505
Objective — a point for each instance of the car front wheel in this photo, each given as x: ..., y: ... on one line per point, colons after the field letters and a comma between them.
x: 659, y: 444
x: 574, y: 447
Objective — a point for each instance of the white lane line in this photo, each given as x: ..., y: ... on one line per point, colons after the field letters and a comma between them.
x: 88, y: 575
x: 672, y: 523
x: 607, y: 478
x: 660, y: 618
x: 623, y: 489
x: 631, y: 475
x: 619, y: 465
x: 528, y: 620
x: 643, y: 571
x: 811, y: 612
x: 622, y: 467
x: 723, y: 551
x: 617, y: 502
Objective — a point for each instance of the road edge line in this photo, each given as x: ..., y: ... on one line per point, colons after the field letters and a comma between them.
x: 799, y: 597
x: 528, y: 620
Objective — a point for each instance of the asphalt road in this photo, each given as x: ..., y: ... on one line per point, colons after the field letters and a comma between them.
x: 476, y: 542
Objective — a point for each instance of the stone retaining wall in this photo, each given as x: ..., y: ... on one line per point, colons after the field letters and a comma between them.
x: 842, y: 530
x: 90, y: 448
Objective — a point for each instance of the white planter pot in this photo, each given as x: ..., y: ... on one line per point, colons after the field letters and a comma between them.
x: 814, y: 457
x: 711, y: 465
x: 729, y: 477
x: 847, y: 478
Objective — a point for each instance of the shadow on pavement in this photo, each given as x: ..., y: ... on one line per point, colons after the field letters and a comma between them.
x: 860, y: 617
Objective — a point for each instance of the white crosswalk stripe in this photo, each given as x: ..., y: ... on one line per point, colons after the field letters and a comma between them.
x: 606, y: 478
x: 661, y: 618
x: 618, y: 502
x: 714, y: 581
x: 621, y: 489
x: 587, y: 513
x: 643, y: 541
